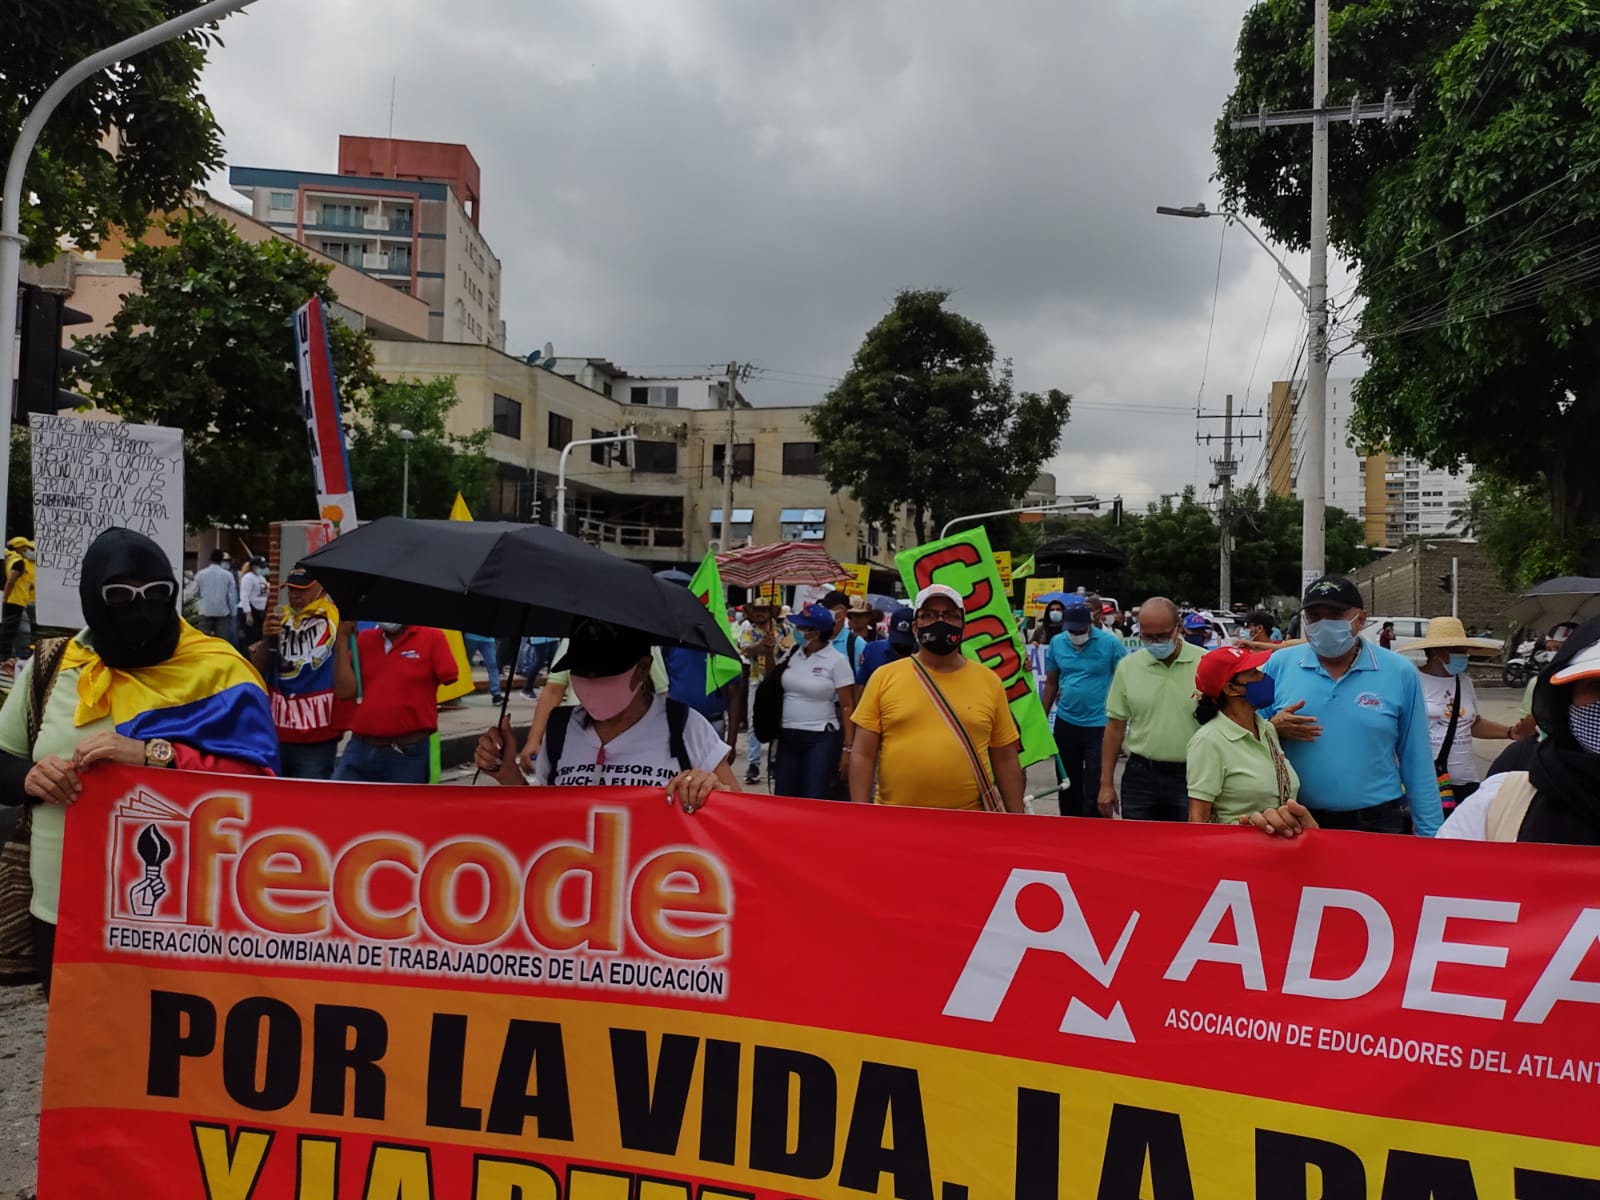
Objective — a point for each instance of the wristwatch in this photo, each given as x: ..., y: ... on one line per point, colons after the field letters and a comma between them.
x: 158, y: 753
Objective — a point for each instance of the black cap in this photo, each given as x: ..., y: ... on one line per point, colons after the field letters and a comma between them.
x: 835, y: 599
x: 1333, y: 590
x: 300, y: 577
x: 599, y: 648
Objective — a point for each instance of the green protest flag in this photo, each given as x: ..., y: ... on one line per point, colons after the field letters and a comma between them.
x: 1027, y: 568
x: 707, y: 587
x: 992, y: 639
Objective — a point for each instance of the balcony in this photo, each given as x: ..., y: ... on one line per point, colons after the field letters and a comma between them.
x: 630, y: 537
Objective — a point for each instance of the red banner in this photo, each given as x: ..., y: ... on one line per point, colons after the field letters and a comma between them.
x: 270, y: 988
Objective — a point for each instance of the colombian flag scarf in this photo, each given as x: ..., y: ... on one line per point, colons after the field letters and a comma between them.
x: 205, y: 695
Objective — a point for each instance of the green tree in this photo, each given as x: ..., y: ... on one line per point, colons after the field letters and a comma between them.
x: 207, y: 345
x: 1470, y: 223
x: 926, y: 418
x: 1516, y: 532
x: 441, y: 464
x: 148, y: 108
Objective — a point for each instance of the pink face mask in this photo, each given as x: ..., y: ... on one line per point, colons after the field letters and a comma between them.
x: 605, y: 696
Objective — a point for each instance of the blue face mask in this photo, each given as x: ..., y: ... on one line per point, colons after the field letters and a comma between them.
x: 1456, y: 664
x: 1160, y: 651
x: 1260, y: 693
x: 1330, y: 639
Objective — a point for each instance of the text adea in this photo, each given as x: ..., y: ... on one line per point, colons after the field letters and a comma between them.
x: 1006, y: 938
x: 591, y: 894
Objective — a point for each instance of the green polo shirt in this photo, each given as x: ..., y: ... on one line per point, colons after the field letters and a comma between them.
x: 1157, y: 701
x: 1234, y: 771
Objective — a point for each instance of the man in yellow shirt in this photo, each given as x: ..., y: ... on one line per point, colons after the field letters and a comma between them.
x: 908, y: 737
x: 19, y: 595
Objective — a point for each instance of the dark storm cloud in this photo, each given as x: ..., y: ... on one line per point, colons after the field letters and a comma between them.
x: 673, y: 183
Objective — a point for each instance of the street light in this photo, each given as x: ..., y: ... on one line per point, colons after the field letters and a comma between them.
x: 11, y: 238
x: 561, y: 470
x: 1314, y: 467
x: 406, y: 438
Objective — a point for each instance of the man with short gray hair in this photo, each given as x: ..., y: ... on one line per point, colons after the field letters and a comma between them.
x: 1150, y: 709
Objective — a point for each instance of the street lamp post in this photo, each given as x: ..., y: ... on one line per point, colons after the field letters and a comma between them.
x: 11, y: 238
x: 406, y: 438
x: 1006, y: 512
x: 561, y: 470
x: 1313, y: 469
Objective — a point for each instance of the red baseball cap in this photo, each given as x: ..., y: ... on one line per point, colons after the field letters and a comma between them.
x: 1222, y: 664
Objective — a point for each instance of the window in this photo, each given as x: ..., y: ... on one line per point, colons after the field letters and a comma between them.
x: 399, y: 220
x: 345, y: 252
x: 739, y: 529
x: 656, y: 458
x: 655, y: 397
x: 800, y: 458
x: 282, y: 201
x: 744, y: 459
x: 560, y: 431
x: 508, y: 416
x: 802, y: 524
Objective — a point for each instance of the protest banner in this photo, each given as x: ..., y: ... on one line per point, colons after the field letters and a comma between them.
x: 964, y: 561
x: 585, y: 993
x: 319, y: 406
x: 1002, y: 563
x: 855, y: 583
x: 1035, y: 588
x: 90, y: 475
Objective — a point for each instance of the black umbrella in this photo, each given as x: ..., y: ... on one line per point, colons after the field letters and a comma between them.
x: 673, y: 575
x: 1569, y: 598
x: 503, y: 580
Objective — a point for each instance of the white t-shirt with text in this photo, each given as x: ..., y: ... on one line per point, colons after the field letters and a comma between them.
x: 1440, y: 694
x: 640, y: 756
x: 811, y: 684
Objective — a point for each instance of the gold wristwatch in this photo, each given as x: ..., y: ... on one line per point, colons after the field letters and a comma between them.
x: 158, y: 753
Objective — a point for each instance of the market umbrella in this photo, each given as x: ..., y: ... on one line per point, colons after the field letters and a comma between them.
x: 781, y: 562
x: 503, y: 579
x: 1569, y: 598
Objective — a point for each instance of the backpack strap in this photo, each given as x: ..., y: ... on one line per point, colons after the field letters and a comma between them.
x: 677, y: 718
x: 851, y: 641
x: 1509, y: 808
x: 555, y: 738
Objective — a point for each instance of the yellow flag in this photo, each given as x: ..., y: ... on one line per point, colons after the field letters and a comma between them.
x: 458, y: 648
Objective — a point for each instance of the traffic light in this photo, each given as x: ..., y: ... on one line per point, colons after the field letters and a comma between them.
x: 43, y: 360
x: 1116, y: 511
x: 1446, y: 583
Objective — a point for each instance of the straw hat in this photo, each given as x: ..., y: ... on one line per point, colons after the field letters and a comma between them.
x: 1448, y: 633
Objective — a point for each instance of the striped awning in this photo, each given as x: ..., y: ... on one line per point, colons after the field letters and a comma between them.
x: 783, y: 562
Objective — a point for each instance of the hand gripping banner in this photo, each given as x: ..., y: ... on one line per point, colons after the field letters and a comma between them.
x: 278, y: 989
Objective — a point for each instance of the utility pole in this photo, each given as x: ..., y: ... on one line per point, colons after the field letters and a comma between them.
x: 727, y: 462
x: 1314, y: 489
x: 1227, y: 467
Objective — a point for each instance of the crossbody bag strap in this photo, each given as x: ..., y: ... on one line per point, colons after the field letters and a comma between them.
x: 1280, y: 766
x: 47, y: 657
x: 1441, y: 765
x: 986, y: 790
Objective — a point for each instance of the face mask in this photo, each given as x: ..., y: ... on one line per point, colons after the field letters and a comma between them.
x: 1456, y: 664
x: 1161, y: 651
x: 143, y: 622
x: 1260, y: 693
x: 1330, y: 639
x: 391, y: 629
x: 28, y: 554
x: 942, y: 637
x: 1054, y: 616
x: 1079, y: 639
x: 1585, y: 725
x: 605, y: 696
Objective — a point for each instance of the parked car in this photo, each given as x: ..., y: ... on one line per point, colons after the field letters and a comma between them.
x: 1406, y: 631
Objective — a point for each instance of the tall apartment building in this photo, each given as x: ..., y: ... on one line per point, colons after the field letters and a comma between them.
x: 659, y: 499
x: 1395, y: 497
x: 405, y: 213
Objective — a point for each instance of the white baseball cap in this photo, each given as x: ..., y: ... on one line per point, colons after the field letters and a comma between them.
x: 1585, y: 664
x: 938, y: 589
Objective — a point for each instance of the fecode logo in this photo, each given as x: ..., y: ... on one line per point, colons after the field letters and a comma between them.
x: 1449, y: 932
x: 209, y: 867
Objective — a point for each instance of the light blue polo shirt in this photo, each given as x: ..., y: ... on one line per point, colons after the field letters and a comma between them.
x: 1084, y: 676
x: 841, y: 643
x: 1374, y: 745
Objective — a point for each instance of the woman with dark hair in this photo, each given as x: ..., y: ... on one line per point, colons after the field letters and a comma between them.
x: 1235, y: 766
x: 138, y: 686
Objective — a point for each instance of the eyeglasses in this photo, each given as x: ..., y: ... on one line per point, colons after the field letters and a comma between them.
x: 121, y: 595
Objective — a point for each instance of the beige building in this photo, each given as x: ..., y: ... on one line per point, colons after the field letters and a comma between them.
x: 658, y: 499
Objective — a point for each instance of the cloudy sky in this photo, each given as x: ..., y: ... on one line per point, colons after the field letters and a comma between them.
x: 679, y: 182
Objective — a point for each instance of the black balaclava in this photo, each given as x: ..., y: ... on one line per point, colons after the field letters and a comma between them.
x: 1566, y: 808
x: 144, y: 633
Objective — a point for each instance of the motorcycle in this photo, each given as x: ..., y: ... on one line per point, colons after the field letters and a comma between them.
x: 1530, y: 658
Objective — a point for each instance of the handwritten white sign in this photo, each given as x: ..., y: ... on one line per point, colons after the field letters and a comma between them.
x: 90, y: 476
